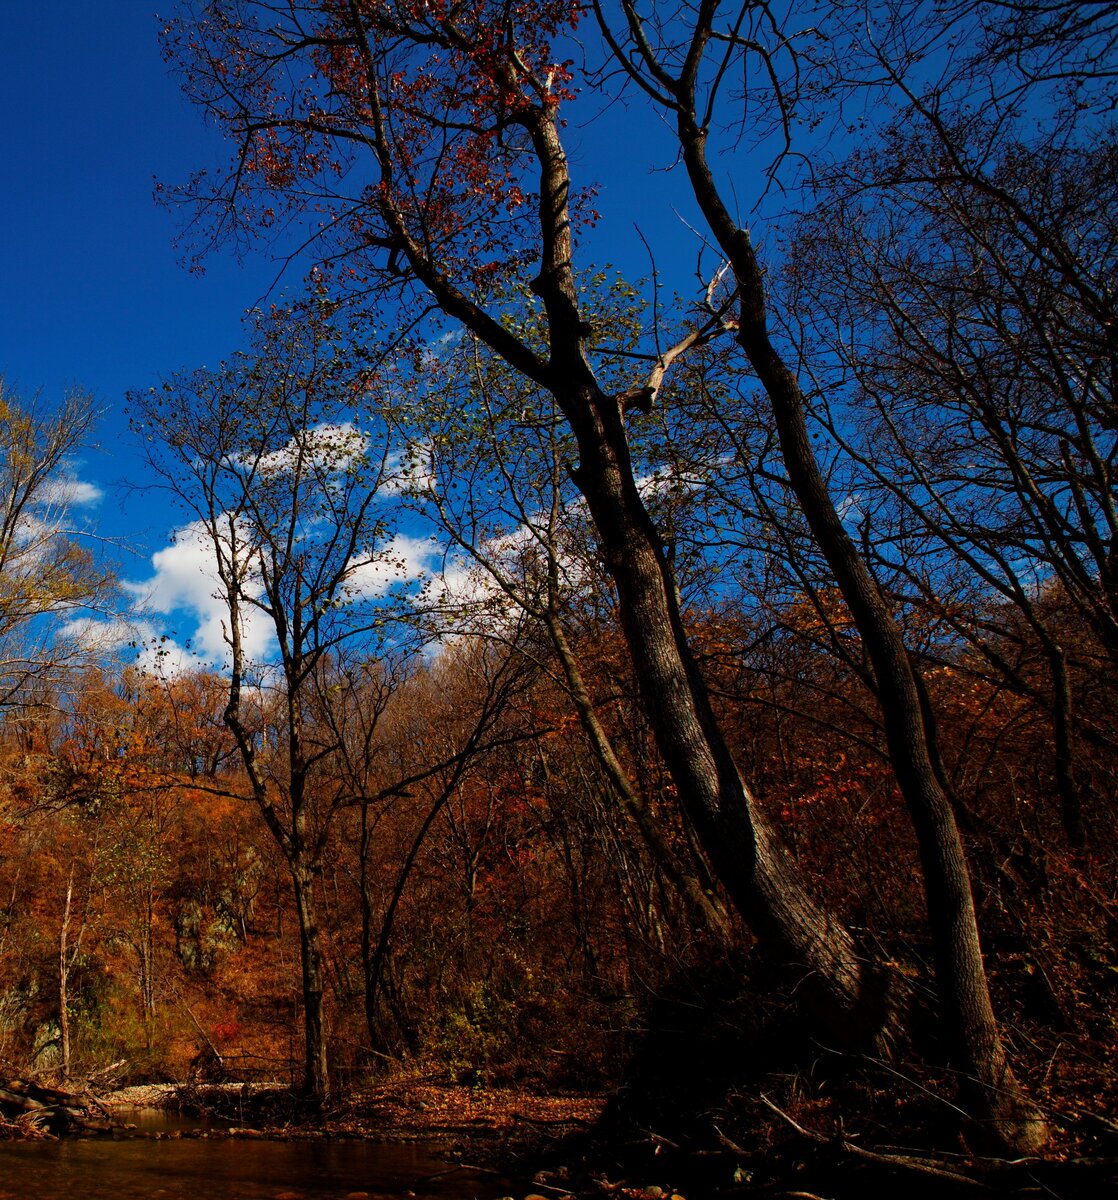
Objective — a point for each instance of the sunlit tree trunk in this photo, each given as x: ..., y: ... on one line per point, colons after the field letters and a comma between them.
x: 64, y: 980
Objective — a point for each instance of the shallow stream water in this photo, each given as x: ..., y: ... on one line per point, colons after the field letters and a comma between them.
x: 231, y: 1169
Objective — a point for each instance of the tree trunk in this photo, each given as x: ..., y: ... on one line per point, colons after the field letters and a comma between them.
x: 1007, y: 1120
x: 850, y: 997
x: 1063, y: 724
x: 1005, y: 1117
x: 63, y: 981
x: 316, y: 1080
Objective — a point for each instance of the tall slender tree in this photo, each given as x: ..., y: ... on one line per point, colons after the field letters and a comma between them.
x: 282, y: 489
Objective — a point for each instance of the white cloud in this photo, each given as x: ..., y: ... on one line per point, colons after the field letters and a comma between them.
x: 95, y: 636
x: 469, y: 598
x: 851, y: 509
x: 186, y: 580
x: 409, y: 471
x: 157, y: 654
x: 48, y: 515
x: 470, y: 592
x: 440, y: 350
x: 332, y: 446
x: 164, y: 658
x: 71, y: 493
x: 664, y: 483
x: 404, y: 559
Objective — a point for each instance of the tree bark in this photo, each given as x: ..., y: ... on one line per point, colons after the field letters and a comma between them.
x: 852, y: 998
x: 316, y: 1078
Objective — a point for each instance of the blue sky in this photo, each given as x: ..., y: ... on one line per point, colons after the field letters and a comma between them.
x: 94, y: 291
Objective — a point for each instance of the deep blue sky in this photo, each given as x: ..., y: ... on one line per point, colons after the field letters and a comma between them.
x: 94, y: 291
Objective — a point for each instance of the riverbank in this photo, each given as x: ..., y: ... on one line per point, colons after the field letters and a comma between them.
x: 505, y: 1132
x: 548, y: 1146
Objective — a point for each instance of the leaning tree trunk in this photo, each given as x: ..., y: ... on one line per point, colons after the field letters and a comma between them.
x: 853, y: 999
x: 1008, y: 1119
x: 849, y: 995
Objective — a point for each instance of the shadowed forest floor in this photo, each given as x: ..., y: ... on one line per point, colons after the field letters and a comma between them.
x: 596, y: 1145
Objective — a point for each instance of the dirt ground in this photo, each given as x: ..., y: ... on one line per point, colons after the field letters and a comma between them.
x: 434, y: 1110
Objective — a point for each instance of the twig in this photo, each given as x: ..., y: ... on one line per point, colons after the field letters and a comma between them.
x: 730, y: 1145
x: 1104, y: 1123
x: 661, y: 1140
x: 461, y: 1166
x: 536, y: 1184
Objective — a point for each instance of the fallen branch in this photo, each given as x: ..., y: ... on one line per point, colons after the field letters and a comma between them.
x: 1098, y: 1122
x: 108, y: 1076
x: 465, y: 1166
x: 660, y: 1140
x: 920, y: 1166
x: 730, y: 1144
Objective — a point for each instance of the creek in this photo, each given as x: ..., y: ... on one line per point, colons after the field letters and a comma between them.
x: 232, y: 1169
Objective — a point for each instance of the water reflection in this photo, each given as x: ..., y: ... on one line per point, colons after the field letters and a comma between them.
x: 161, y: 1120
x: 228, y: 1169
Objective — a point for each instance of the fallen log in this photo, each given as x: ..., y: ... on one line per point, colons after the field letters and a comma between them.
x: 48, y: 1109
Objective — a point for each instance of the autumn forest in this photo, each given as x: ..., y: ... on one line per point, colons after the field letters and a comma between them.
x: 696, y: 690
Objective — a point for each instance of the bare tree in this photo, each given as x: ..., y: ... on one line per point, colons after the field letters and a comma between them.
x: 46, y: 573
x: 426, y: 132
x: 283, y: 491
